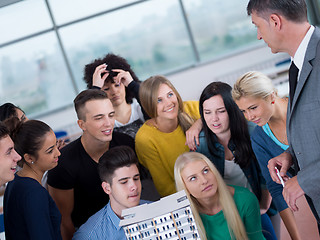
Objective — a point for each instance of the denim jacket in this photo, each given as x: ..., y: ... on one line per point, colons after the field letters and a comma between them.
x: 252, y: 171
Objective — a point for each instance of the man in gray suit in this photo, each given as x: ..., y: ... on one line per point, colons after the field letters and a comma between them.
x: 284, y: 26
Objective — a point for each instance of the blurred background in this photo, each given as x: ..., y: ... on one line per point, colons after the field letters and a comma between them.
x: 44, y: 45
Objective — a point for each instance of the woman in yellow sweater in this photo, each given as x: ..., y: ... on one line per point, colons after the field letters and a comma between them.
x: 162, y: 139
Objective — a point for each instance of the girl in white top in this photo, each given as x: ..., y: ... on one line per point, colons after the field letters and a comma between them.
x: 113, y: 75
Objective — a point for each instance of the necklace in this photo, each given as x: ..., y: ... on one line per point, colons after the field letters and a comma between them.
x: 279, y: 134
x: 284, y: 140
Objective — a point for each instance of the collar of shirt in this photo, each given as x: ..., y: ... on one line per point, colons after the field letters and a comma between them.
x: 298, y: 58
x: 113, y: 217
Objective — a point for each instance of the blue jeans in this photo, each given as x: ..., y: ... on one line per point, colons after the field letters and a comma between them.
x: 267, y: 228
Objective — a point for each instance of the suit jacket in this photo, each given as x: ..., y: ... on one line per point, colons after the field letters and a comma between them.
x: 303, y: 122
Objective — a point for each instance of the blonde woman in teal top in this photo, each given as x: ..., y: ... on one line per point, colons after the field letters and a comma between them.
x: 258, y: 99
x: 220, y: 211
x: 249, y: 213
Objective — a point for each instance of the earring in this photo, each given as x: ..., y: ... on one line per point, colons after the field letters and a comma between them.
x: 32, y: 162
x: 272, y: 102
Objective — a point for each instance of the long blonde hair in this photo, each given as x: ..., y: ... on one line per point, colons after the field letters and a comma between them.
x: 148, y: 94
x: 230, y: 211
x: 253, y: 84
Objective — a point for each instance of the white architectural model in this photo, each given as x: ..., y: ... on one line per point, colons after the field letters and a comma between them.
x: 168, y: 218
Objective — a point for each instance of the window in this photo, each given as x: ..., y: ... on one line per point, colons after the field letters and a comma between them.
x: 68, y: 11
x: 45, y: 45
x: 23, y: 19
x: 220, y: 27
x: 33, y: 75
x: 152, y: 36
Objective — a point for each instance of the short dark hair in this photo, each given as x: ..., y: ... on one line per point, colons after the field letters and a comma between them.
x: 3, y: 131
x: 293, y: 10
x: 85, y: 96
x: 28, y: 137
x: 8, y: 110
x: 114, y: 158
x: 114, y: 62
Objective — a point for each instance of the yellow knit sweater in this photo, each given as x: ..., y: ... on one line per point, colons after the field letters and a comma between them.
x: 158, y: 151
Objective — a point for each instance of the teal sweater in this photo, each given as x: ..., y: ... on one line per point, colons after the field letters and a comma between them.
x: 247, y: 204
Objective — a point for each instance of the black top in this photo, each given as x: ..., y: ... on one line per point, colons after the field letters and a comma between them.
x: 78, y: 171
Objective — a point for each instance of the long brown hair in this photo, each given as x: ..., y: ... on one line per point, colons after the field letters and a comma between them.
x: 148, y: 94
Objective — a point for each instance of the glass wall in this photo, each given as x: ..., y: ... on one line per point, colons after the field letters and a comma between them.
x: 220, y: 27
x: 151, y: 35
x: 45, y: 44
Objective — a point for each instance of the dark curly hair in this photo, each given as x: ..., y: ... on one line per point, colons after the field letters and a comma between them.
x: 8, y: 110
x: 114, y: 62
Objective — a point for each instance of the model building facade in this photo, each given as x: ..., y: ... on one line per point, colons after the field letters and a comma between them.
x: 169, y: 218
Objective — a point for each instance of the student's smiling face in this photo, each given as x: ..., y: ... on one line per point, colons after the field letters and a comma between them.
x: 99, y: 120
x: 8, y: 160
x: 167, y: 103
x: 47, y: 156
